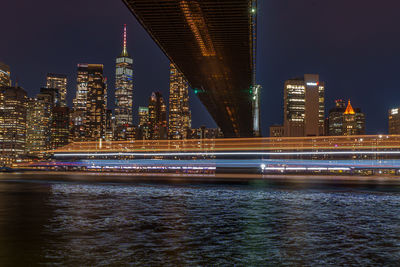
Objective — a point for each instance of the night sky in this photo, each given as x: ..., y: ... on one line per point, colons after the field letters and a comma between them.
x: 353, y: 44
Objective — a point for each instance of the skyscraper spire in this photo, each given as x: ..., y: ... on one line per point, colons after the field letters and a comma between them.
x: 124, y: 50
x: 124, y: 94
x: 349, y: 109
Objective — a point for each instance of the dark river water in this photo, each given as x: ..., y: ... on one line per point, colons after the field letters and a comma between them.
x: 168, y: 224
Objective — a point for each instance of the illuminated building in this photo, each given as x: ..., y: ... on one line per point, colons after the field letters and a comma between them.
x: 345, y: 120
x: 304, y: 106
x: 124, y: 94
x: 394, y: 121
x: 13, y: 105
x: 47, y: 122
x: 60, y: 127
x: 353, y: 121
x: 89, y: 105
x: 255, y: 99
x: 96, y: 104
x: 78, y: 113
x: 39, y: 121
x: 204, y: 133
x: 179, y: 111
x: 5, y: 79
x: 54, y: 95
x: 110, y: 125
x: 276, y: 131
x: 143, y: 130
x: 335, y: 118
x: 58, y: 81
x: 157, y: 117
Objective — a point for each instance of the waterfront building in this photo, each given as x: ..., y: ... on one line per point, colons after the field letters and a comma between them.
x: 304, y: 105
x: 179, y: 111
x: 39, y: 122
x: 60, y: 127
x: 157, y: 117
x: 394, y: 121
x: 5, y: 75
x: 58, y: 81
x: 143, y: 130
x: 89, y: 105
x: 124, y: 94
x: 13, y: 106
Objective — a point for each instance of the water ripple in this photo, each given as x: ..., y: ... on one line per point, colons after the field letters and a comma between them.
x: 221, y: 225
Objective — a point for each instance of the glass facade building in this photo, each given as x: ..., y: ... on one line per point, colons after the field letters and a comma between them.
x: 124, y: 94
x: 143, y: 130
x: 39, y: 118
x: 13, y: 106
x: 58, y: 81
x: 5, y: 75
x: 394, y: 121
x: 157, y: 117
x: 304, y: 106
x: 345, y: 120
x: 60, y: 127
x: 89, y: 106
x: 179, y: 111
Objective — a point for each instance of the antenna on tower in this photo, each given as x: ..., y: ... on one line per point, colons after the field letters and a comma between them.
x: 124, y: 51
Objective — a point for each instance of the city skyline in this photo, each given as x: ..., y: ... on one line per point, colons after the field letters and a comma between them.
x: 332, y: 55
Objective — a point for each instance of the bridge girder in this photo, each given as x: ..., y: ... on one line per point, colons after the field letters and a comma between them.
x: 213, y: 44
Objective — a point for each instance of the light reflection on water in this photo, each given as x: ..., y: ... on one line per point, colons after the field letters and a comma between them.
x: 161, y: 224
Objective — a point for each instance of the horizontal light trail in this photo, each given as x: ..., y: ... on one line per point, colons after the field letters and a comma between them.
x: 365, y: 142
x: 228, y: 153
x: 235, y: 149
x: 213, y: 164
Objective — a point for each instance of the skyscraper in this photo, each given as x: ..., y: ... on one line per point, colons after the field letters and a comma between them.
x: 304, y: 106
x: 394, y: 121
x: 124, y: 94
x: 5, y: 79
x: 179, y: 111
x: 78, y: 114
x: 58, y: 81
x: 89, y: 105
x: 38, y: 120
x: 110, y: 125
x: 143, y: 130
x: 95, y: 120
x: 353, y: 121
x: 255, y: 101
x: 345, y: 120
x: 335, y: 118
x: 13, y: 105
x: 157, y: 117
x: 60, y: 127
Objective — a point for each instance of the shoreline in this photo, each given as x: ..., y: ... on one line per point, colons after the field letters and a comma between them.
x: 101, y: 177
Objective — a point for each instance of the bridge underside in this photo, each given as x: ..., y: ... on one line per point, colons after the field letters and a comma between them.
x: 212, y: 44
